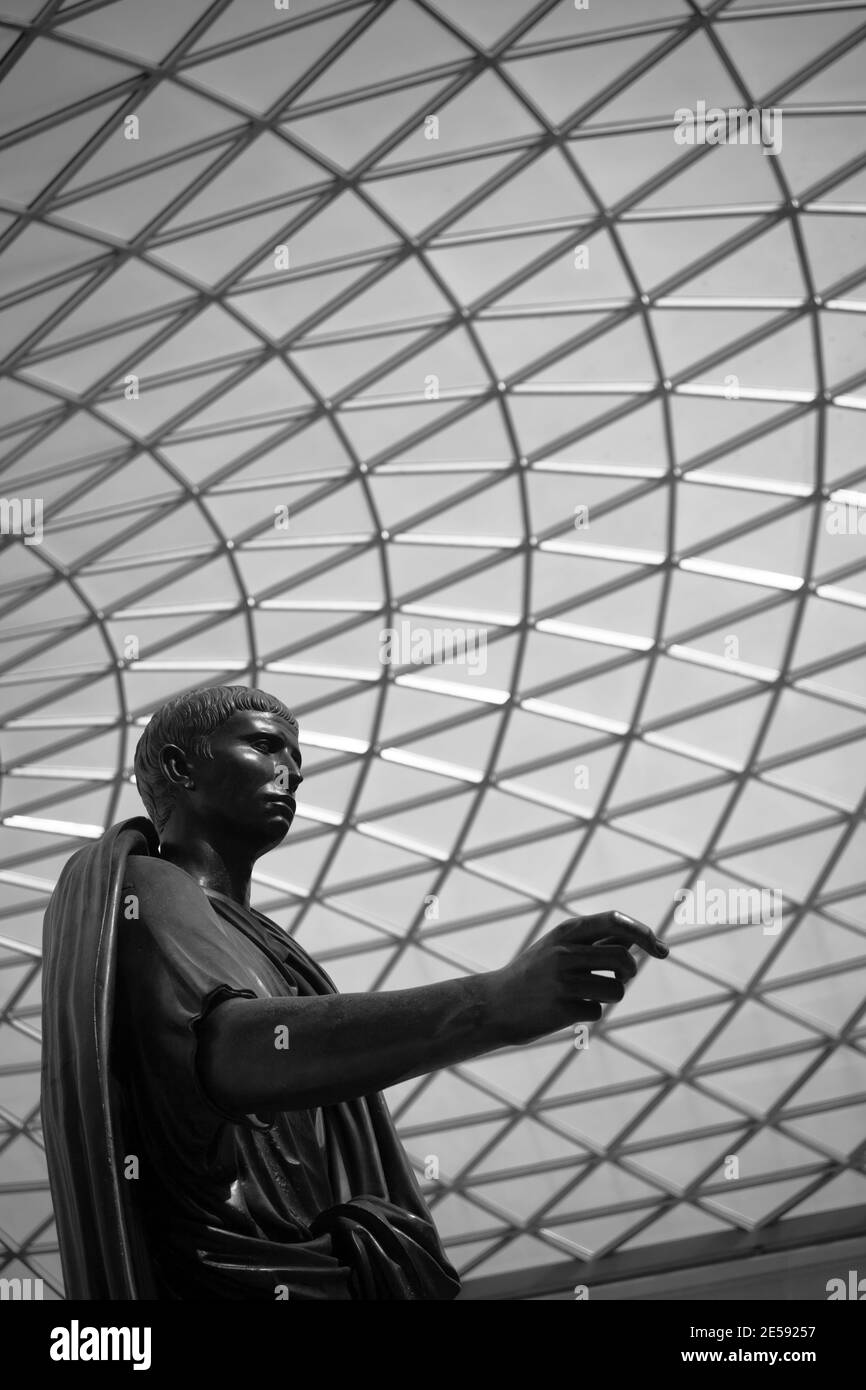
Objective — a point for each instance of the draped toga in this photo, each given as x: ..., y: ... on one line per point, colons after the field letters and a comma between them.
x: 158, y: 1193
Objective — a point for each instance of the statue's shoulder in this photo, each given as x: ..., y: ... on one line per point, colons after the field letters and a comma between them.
x: 148, y: 869
x: 164, y: 889
x: 172, y: 913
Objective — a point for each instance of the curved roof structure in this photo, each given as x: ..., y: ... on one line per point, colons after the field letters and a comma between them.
x: 510, y: 330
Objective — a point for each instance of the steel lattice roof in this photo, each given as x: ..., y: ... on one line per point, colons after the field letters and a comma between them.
x: 505, y: 293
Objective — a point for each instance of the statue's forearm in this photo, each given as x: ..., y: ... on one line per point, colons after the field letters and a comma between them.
x: 292, y: 1054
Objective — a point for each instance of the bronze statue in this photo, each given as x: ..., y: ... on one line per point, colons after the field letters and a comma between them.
x: 211, y: 1104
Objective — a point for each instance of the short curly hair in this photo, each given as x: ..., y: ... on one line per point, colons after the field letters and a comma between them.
x: 188, y: 722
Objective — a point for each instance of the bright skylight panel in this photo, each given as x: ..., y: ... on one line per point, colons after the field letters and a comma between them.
x: 434, y: 765
x: 458, y: 541
x: 835, y: 594
x: 16, y: 880
x: 722, y: 663
x: 571, y: 716
x: 605, y: 552
x: 339, y: 743
x: 54, y: 827
x: 218, y: 664
x: 306, y: 811
x: 308, y: 605
x: 392, y: 837
x: 740, y: 483
x: 63, y: 774
x: 514, y: 787
x: 768, y: 579
x: 688, y: 750
x: 596, y: 634
x: 175, y: 610
x: 464, y: 615
x: 301, y: 668
x: 745, y: 393
x: 289, y: 542
x: 849, y: 497
x: 462, y: 692
x: 583, y: 388
x: 600, y: 470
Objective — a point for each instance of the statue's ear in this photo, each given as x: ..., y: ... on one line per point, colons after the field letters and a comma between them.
x: 174, y: 763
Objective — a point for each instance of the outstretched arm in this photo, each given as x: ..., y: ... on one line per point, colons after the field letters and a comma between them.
x: 346, y: 1045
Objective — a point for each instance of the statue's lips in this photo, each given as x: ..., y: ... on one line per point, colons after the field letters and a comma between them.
x: 286, y: 804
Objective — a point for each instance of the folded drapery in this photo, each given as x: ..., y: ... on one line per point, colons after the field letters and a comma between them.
x: 388, y: 1250
x: 228, y: 1207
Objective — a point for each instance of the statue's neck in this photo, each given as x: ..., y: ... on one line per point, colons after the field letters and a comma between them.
x: 213, y: 869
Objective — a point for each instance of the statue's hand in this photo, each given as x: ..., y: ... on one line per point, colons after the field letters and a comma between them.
x: 553, y: 984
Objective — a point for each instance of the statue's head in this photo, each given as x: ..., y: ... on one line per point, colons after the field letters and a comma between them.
x: 225, y: 755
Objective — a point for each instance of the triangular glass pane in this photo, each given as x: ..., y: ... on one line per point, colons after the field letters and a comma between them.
x: 257, y: 76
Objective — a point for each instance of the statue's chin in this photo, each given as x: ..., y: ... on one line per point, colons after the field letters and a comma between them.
x: 277, y: 834
x: 262, y: 835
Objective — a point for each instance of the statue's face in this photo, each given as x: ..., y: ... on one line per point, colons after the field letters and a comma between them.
x: 247, y: 787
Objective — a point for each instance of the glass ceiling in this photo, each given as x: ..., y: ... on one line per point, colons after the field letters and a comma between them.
x: 325, y: 319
